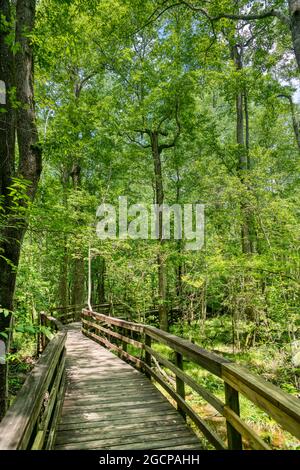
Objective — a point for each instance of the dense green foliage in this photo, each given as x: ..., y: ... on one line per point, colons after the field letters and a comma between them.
x: 104, y: 72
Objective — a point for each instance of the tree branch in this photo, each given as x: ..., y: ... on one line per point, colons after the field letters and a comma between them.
x: 247, y: 17
x: 173, y: 143
x: 256, y: 16
x: 157, y: 14
x: 294, y: 117
x: 80, y: 85
x: 136, y: 141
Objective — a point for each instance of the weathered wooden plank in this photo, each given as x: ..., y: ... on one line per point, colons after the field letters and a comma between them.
x: 122, y: 377
x: 106, y: 415
x: 138, y: 430
x: 95, y: 401
x: 113, y: 422
x: 93, y: 372
x: 123, y: 384
x: 109, y: 442
x: 131, y: 404
x: 114, y: 395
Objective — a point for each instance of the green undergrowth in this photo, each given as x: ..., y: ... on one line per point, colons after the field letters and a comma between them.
x: 21, y: 361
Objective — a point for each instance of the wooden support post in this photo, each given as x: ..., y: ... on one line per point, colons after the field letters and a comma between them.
x: 43, y: 336
x: 124, y: 344
x: 147, y: 354
x: 38, y: 339
x: 180, y: 389
x: 232, y: 401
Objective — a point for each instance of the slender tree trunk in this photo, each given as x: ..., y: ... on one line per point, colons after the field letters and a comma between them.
x: 63, y: 281
x: 179, y: 271
x: 16, y: 71
x: 159, y: 199
x: 243, y: 146
x: 179, y: 267
x: 78, y: 269
x: 294, y: 118
x: 64, y: 267
x: 247, y: 130
x: 101, y: 281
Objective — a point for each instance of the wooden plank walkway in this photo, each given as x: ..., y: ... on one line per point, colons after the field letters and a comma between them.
x: 110, y: 405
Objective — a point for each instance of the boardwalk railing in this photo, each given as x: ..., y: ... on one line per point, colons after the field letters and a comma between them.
x: 67, y: 314
x: 31, y: 421
x: 118, y: 335
x: 72, y: 313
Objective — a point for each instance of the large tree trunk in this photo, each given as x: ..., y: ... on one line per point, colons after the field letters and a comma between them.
x: 294, y: 9
x: 16, y: 71
x: 161, y: 266
x: 78, y: 283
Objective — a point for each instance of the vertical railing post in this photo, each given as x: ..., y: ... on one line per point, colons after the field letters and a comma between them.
x: 81, y: 318
x: 38, y: 339
x: 148, y: 343
x: 43, y: 336
x: 180, y: 389
x: 232, y: 401
x: 124, y: 344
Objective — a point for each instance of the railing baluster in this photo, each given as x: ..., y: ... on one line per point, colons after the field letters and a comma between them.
x: 180, y: 388
x: 148, y: 342
x: 124, y: 344
x: 232, y: 401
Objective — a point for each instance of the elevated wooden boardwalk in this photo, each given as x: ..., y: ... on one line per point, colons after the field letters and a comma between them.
x: 110, y: 405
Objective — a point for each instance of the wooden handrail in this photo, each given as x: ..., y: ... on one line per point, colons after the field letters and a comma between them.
x: 31, y: 421
x: 116, y: 334
x: 208, y: 360
x: 71, y: 313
